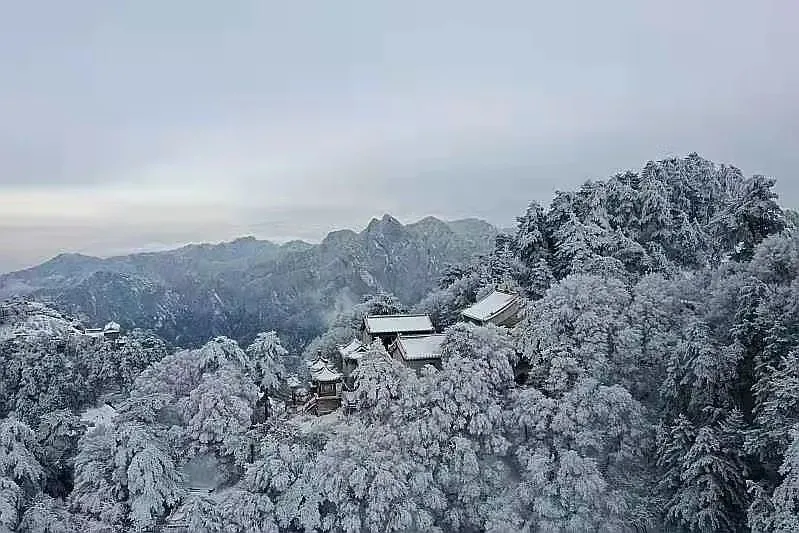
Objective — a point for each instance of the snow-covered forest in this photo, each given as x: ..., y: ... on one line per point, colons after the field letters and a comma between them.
x: 660, y: 392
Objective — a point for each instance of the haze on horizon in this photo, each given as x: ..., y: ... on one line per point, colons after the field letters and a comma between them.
x: 133, y: 125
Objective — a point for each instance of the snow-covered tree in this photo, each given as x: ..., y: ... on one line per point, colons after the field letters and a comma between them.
x: 176, y: 375
x: 710, y: 495
x: 18, y: 461
x: 648, y: 336
x: 382, y: 303
x: 531, y: 239
x: 577, y: 456
x: 46, y: 515
x: 219, y: 411
x: 750, y: 215
x: 266, y: 355
x: 125, y: 477
x: 11, y: 503
x: 114, y: 367
x: 152, y: 479
x: 381, y: 383
x: 21, y: 475
x: 444, y: 305
x: 57, y: 437
x: 245, y: 511
x: 578, y: 320
x: 220, y: 351
x: 785, y: 501
x: 202, y: 514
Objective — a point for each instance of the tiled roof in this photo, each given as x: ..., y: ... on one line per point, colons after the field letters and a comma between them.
x: 416, y: 347
x: 490, y: 306
x: 381, y: 324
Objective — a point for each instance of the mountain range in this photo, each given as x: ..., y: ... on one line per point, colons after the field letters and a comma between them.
x: 248, y: 285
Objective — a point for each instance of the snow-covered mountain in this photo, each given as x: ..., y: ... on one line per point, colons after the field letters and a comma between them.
x: 241, y: 287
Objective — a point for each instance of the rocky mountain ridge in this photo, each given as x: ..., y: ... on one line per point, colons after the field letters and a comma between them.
x: 248, y: 285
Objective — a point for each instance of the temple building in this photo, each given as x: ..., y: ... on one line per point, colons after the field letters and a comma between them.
x: 326, y: 384
x: 416, y: 351
x: 350, y: 356
x: 111, y: 332
x: 388, y: 327
x: 498, y: 308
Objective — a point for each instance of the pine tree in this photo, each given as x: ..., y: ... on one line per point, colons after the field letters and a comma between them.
x: 531, y: 240
x: 57, y: 438
x: 46, y: 515
x: 219, y: 411
x: 126, y: 477
x: 219, y: 351
x: 11, y: 503
x: 785, y: 500
x: 266, y: 355
x: 750, y: 215
x: 17, y: 460
x: 707, y: 499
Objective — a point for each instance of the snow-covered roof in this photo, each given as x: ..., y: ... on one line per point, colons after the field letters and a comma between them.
x: 112, y: 326
x: 357, y: 356
x: 326, y: 374
x: 93, y: 332
x: 380, y: 324
x: 490, y: 306
x: 416, y: 347
x: 354, y: 350
x: 318, y: 365
x: 293, y: 382
x: 98, y: 416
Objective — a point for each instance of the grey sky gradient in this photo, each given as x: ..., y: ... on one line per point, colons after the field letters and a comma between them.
x: 132, y: 125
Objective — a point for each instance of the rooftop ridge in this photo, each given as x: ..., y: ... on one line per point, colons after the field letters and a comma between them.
x: 395, y: 315
x: 418, y: 335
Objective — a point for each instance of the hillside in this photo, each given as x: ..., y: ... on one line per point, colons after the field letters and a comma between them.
x: 241, y: 287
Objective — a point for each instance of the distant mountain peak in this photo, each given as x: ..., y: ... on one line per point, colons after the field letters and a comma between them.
x: 430, y: 222
x: 386, y: 225
x: 340, y: 234
x: 389, y: 219
x: 71, y: 257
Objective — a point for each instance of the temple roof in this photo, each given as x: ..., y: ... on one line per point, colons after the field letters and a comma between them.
x: 317, y: 365
x: 490, y: 306
x: 353, y: 350
x: 326, y: 374
x: 416, y: 347
x: 382, y: 324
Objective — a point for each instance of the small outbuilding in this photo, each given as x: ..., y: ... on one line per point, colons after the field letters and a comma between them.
x: 498, y: 308
x: 351, y: 354
x: 416, y: 351
x: 112, y: 331
x: 326, y: 384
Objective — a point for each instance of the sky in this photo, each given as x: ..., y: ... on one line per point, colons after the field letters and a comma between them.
x: 142, y: 124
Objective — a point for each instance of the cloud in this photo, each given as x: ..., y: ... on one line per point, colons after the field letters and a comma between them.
x: 135, y: 126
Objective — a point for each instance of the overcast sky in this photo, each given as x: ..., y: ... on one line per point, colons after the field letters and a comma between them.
x: 131, y: 125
